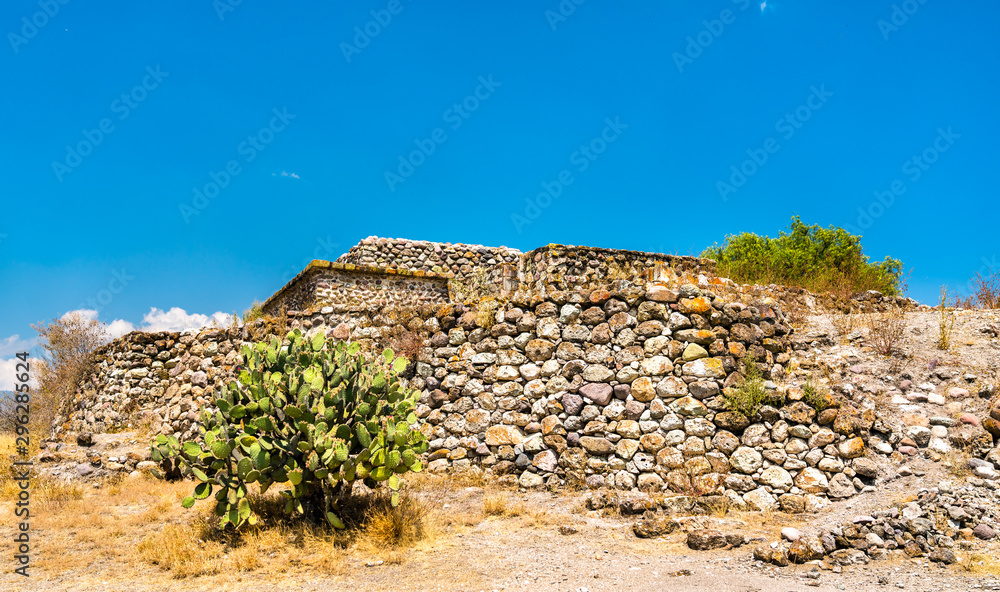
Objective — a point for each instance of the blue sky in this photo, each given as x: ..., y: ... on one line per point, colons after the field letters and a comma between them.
x: 180, y: 159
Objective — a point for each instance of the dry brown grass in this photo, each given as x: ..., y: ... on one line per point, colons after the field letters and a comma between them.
x: 500, y: 504
x: 957, y: 463
x: 886, y: 330
x: 981, y: 564
x: 844, y: 324
x: 718, y: 509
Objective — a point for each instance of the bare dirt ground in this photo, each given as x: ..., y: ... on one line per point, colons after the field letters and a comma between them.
x: 526, y: 552
x: 482, y: 536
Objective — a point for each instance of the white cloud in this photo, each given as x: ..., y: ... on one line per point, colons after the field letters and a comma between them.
x: 119, y: 327
x: 177, y: 319
x: 8, y: 370
x: 14, y: 344
x: 286, y: 174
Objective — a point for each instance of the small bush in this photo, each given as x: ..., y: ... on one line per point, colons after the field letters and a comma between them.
x: 812, y: 257
x: 986, y: 289
x: 486, y: 311
x: 407, y: 344
x: 946, y: 322
x: 750, y: 394
x: 400, y: 525
x: 886, y: 330
x: 815, y: 397
x: 256, y: 311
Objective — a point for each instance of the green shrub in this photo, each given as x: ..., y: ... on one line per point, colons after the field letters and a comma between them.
x: 812, y: 257
x: 256, y: 311
x: 816, y: 398
x: 750, y: 394
x: 316, y: 414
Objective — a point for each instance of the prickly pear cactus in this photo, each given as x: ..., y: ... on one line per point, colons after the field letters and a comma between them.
x: 314, y: 414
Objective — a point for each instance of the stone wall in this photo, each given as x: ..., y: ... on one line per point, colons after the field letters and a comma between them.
x: 597, y: 366
x: 624, y: 389
x: 458, y: 260
x: 336, y: 284
x: 561, y: 267
x: 162, y: 379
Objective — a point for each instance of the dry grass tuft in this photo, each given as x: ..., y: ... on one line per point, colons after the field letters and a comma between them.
x: 957, y: 463
x: 500, y: 504
x: 981, y: 564
x: 844, y: 324
x: 946, y: 323
x: 387, y: 526
x: 177, y: 548
x: 885, y: 330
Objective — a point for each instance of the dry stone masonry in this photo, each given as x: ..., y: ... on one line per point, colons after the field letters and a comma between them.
x: 609, y: 368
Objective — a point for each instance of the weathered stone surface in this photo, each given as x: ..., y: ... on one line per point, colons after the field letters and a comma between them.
x: 731, y: 421
x: 546, y: 461
x: 705, y: 368
x: 774, y: 555
x: 841, y: 486
x: 694, y: 352
x: 759, y: 499
x: 501, y: 435
x: 746, y: 460
x: 572, y: 403
x: 654, y: 525
x: 598, y: 392
x: 598, y: 446
x: 798, y: 412
x: 671, y: 387
x: 851, y: 448
x: 776, y: 477
x: 706, y: 539
x: 865, y: 467
x: 805, y: 549
x: 642, y: 389
x: 539, y: 350
x: 689, y: 406
x: 812, y: 480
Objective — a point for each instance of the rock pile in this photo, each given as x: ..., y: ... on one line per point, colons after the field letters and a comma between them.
x: 931, y: 526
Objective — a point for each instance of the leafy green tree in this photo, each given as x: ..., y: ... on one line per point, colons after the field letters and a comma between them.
x: 816, y: 258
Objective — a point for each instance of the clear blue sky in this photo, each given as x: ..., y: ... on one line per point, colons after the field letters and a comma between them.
x: 184, y: 90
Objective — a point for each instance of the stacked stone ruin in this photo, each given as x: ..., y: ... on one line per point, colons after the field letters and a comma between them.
x: 590, y: 365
